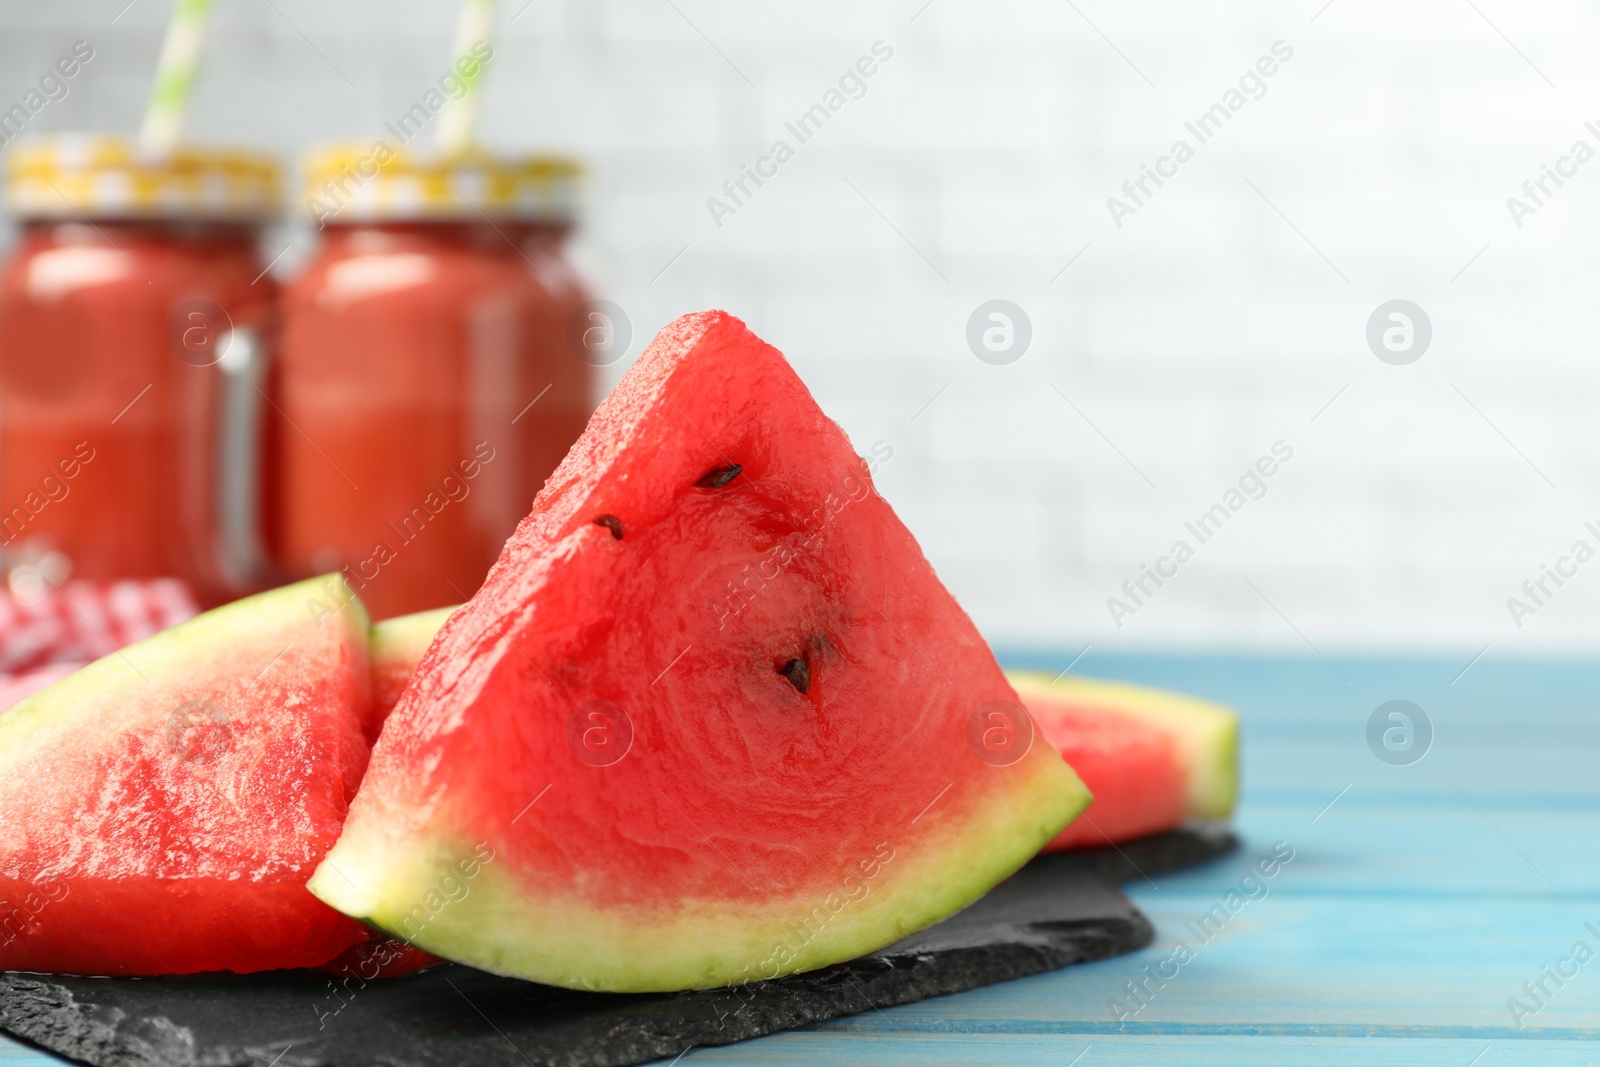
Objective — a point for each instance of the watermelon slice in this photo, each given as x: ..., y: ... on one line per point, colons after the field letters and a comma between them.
x: 1153, y: 759
x: 161, y: 808
x: 397, y: 647
x: 711, y: 718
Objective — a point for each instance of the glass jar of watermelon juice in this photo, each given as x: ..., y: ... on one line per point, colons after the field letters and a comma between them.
x: 134, y: 322
x: 428, y: 385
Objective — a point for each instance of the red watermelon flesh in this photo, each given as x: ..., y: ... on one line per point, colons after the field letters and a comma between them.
x: 161, y: 808
x: 1154, y: 760
x: 708, y: 719
x: 1132, y: 769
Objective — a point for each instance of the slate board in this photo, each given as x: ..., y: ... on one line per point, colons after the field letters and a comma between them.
x: 1059, y: 909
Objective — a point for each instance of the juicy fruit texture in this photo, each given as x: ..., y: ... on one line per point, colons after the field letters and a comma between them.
x: 398, y: 646
x: 161, y: 808
x: 1153, y: 759
x: 706, y: 721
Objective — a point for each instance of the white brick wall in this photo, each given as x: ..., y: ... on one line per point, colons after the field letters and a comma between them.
x: 1193, y: 337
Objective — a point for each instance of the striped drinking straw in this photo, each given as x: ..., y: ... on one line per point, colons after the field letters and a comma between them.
x: 455, y: 122
x: 180, y: 55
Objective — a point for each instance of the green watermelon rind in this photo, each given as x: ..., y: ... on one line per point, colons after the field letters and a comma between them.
x: 168, y: 659
x: 482, y: 919
x: 1207, y: 733
x: 405, y: 638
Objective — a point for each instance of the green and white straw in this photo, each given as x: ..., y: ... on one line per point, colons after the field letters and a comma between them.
x: 455, y: 121
x: 180, y: 55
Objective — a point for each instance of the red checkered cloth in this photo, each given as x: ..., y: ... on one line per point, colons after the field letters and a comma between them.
x: 46, y: 637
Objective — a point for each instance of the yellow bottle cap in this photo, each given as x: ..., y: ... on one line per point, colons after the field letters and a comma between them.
x: 105, y: 176
x: 362, y: 181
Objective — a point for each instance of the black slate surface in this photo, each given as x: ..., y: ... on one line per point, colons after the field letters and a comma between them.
x: 1058, y: 910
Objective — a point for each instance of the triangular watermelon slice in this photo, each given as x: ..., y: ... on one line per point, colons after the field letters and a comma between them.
x: 1154, y: 759
x: 711, y: 718
x: 161, y: 808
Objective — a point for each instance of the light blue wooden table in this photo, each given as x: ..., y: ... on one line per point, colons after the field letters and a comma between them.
x: 1417, y: 904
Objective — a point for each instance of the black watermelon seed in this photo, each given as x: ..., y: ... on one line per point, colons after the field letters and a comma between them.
x: 717, y: 477
x: 612, y: 523
x: 798, y: 673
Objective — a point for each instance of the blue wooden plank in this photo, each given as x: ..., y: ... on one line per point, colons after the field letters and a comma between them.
x: 1268, y: 686
x: 824, y: 1049
x: 1327, y: 967
x: 1301, y: 948
x: 1515, y: 727
x: 15, y: 1055
x: 1410, y: 847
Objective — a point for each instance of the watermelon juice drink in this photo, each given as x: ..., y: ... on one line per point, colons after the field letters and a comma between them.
x: 427, y: 379
x: 134, y: 319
